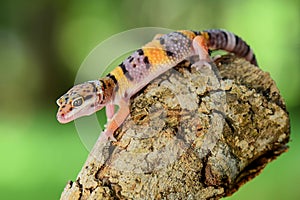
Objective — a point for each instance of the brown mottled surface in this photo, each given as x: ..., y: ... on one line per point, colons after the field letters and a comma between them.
x: 195, y: 135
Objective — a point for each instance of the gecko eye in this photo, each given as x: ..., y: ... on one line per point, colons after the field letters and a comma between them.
x: 77, y: 102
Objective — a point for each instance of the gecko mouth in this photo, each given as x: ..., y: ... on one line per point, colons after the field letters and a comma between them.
x: 63, y: 119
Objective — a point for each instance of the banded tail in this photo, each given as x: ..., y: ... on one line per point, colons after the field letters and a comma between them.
x: 225, y: 40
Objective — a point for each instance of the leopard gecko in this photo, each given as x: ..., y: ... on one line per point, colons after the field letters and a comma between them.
x: 136, y: 71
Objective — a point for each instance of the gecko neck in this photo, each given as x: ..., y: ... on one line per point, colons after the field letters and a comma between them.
x: 108, y: 87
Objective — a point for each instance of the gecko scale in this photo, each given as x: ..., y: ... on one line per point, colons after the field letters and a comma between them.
x: 145, y: 64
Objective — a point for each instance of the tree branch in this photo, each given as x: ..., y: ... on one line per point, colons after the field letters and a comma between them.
x: 197, y: 134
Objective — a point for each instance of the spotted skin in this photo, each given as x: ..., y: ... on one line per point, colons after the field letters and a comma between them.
x: 145, y: 64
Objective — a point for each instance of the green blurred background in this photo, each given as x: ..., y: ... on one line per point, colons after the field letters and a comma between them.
x: 43, y: 43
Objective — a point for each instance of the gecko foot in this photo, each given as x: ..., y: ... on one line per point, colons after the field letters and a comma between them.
x: 106, y: 135
x: 200, y: 64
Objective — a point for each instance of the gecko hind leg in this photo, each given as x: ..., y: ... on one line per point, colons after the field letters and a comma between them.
x: 201, y: 50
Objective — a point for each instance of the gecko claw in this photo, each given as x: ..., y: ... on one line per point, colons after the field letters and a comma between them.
x: 105, y: 135
x: 200, y: 64
x: 113, y: 139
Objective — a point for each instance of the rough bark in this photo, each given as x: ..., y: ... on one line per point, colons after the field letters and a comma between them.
x: 190, y: 135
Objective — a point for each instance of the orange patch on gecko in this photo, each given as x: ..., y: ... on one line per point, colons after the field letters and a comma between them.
x: 118, y: 73
x: 155, y: 53
x: 205, y: 35
x: 189, y: 34
x: 121, y: 78
x: 156, y: 56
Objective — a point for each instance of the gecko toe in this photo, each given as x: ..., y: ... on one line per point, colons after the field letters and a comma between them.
x: 200, y: 64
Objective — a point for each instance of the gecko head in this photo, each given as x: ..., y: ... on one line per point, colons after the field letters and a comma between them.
x: 81, y: 100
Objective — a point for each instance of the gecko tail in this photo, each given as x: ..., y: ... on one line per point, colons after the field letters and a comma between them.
x: 224, y: 40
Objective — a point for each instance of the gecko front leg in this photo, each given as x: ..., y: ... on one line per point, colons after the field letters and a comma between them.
x: 116, y: 120
x: 110, y: 111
